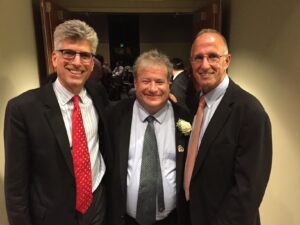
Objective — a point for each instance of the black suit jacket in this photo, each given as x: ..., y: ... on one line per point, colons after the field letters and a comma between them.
x: 39, y: 176
x: 119, y: 130
x: 233, y: 164
x: 180, y: 88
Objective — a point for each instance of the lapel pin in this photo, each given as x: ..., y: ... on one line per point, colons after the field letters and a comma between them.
x: 180, y: 148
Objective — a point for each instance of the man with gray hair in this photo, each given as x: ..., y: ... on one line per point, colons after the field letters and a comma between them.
x: 148, y: 149
x: 230, y: 150
x: 55, y: 140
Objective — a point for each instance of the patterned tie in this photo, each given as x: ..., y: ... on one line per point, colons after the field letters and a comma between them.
x: 81, y: 161
x: 192, y: 149
x: 150, y: 179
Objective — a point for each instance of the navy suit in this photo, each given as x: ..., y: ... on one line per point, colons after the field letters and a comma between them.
x: 39, y: 176
x: 233, y: 164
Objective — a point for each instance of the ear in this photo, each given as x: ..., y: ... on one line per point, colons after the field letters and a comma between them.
x: 92, y: 64
x: 54, y: 59
x: 227, y: 61
x: 134, y: 82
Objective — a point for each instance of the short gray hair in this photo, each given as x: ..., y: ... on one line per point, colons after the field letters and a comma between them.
x: 152, y: 58
x: 209, y: 30
x: 75, y: 30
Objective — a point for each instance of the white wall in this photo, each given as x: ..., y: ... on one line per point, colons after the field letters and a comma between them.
x: 265, y: 43
x: 18, y: 63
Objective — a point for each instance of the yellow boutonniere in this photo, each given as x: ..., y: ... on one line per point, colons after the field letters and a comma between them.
x: 184, y: 126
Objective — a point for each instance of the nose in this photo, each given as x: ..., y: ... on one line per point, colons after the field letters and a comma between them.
x: 205, y: 63
x: 76, y: 59
x: 153, y: 86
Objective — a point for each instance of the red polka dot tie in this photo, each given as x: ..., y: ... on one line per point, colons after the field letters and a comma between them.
x: 81, y: 161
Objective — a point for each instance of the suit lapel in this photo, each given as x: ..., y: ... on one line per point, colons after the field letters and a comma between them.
x: 214, y: 127
x: 180, y: 148
x: 53, y: 114
x: 123, y: 145
x: 99, y: 106
x: 94, y: 93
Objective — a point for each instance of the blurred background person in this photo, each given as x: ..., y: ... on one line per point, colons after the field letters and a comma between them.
x: 180, y: 82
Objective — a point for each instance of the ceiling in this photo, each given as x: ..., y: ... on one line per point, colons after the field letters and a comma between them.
x: 132, y: 6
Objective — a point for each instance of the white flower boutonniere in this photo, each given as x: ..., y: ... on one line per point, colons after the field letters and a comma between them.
x: 184, y: 126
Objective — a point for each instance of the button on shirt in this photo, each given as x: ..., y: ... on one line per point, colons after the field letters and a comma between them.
x: 90, y: 121
x: 164, y: 126
x: 213, y: 99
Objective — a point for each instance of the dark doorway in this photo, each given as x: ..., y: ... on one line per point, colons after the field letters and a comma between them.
x: 123, y: 38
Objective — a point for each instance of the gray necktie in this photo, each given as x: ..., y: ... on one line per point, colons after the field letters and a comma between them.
x: 150, y: 179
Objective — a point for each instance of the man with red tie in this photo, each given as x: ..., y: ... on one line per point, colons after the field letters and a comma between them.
x: 55, y: 140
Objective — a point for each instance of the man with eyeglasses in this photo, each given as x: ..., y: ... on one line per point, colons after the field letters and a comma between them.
x: 56, y: 140
x: 229, y: 159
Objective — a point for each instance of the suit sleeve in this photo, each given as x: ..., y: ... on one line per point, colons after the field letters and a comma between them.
x: 252, y: 166
x: 17, y: 169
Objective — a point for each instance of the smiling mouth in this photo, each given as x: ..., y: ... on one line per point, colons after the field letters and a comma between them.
x: 75, y: 72
x: 206, y: 74
x: 153, y: 96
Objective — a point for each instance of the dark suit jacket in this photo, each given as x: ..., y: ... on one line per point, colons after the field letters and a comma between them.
x: 233, y: 164
x: 39, y: 176
x: 119, y: 130
x: 179, y: 88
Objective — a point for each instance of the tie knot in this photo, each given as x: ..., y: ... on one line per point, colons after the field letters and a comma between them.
x: 202, y: 102
x: 75, y: 99
x: 150, y: 119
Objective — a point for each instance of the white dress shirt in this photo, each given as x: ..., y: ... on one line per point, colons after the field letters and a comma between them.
x: 164, y: 126
x: 90, y: 121
x: 213, y: 99
x: 175, y: 74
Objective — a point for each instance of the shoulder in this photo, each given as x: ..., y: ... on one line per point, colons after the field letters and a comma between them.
x: 27, y: 98
x: 98, y: 92
x: 26, y: 105
x: 244, y: 102
x: 181, y: 112
x: 119, y: 108
x: 182, y: 77
x: 242, y: 96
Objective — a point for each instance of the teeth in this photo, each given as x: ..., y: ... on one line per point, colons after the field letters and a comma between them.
x: 75, y: 71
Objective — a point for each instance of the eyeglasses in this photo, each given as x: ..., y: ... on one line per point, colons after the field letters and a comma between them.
x: 212, y: 59
x: 69, y: 55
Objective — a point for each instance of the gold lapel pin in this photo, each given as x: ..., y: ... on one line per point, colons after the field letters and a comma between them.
x: 180, y: 148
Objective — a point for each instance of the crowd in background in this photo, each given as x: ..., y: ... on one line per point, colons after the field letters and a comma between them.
x: 118, y: 81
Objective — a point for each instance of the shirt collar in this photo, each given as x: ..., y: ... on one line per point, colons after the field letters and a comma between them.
x: 160, y: 116
x: 65, y: 96
x: 216, y: 93
x: 177, y: 73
